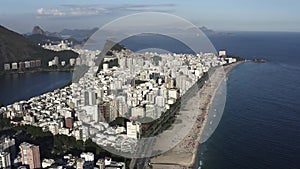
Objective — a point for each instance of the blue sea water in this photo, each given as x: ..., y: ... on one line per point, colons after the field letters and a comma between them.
x: 16, y: 87
x: 260, y: 127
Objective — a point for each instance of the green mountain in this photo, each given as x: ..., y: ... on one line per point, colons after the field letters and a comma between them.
x: 15, y: 47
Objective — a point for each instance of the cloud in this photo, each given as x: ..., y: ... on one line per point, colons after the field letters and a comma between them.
x: 52, y: 12
x: 149, y: 6
x: 74, y: 10
x: 71, y: 11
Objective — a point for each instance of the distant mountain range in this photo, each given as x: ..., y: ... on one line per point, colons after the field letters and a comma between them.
x: 76, y: 36
x: 207, y: 31
x: 15, y: 48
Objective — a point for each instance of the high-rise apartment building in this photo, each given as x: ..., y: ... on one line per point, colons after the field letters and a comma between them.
x: 5, y: 162
x: 30, y: 155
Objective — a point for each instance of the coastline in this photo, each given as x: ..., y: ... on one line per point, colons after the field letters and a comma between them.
x: 36, y: 71
x: 184, y: 154
x: 23, y: 86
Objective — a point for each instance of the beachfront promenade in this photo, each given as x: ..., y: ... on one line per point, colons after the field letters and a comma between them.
x: 183, y: 155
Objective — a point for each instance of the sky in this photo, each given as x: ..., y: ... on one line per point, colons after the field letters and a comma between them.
x: 220, y: 15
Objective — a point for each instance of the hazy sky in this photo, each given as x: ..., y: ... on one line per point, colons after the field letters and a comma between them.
x: 244, y: 15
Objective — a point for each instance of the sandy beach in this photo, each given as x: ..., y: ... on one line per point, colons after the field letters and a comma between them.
x: 184, y: 154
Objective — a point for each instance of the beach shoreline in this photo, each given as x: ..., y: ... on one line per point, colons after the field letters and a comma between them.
x: 184, y: 154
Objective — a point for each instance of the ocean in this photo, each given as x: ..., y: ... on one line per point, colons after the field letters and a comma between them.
x: 16, y: 87
x: 260, y: 127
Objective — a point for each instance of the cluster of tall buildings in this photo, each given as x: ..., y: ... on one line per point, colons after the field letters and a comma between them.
x: 30, y: 154
x: 51, y: 111
x: 29, y: 158
x: 31, y: 64
x: 86, y: 56
x: 7, y: 152
x: 63, y: 45
x: 140, y: 88
x: 87, y: 160
x: 56, y: 62
x: 22, y: 65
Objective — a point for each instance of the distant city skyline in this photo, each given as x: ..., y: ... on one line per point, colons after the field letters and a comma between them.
x: 55, y: 15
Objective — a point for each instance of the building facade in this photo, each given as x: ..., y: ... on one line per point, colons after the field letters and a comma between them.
x: 5, y: 162
x: 30, y: 155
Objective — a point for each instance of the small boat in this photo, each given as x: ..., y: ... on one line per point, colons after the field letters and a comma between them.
x: 200, y: 164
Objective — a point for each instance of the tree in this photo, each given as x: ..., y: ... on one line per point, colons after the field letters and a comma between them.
x: 4, y: 122
x: 119, y: 121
